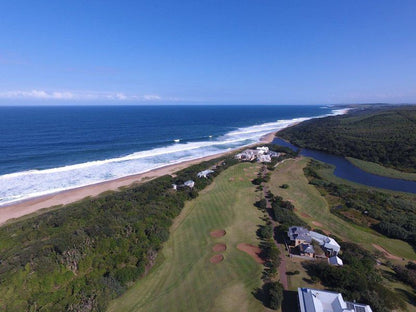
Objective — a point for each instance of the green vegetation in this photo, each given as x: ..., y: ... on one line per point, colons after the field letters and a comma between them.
x: 380, y: 170
x: 186, y: 280
x: 391, y: 215
x: 283, y: 212
x: 79, y: 257
x: 385, y: 136
x: 314, y: 209
x: 407, y: 274
x: 275, y: 294
x: 386, y: 289
x: 357, y: 280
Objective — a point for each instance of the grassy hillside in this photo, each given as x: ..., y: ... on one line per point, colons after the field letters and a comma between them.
x: 79, y: 257
x: 381, y: 170
x: 187, y: 280
x: 313, y: 208
x: 385, y: 136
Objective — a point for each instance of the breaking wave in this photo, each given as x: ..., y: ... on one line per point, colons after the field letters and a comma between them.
x: 23, y: 185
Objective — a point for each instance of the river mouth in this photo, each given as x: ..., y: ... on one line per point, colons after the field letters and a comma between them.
x: 346, y: 170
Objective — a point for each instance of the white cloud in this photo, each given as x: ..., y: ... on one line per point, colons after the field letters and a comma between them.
x: 68, y: 95
x: 151, y: 97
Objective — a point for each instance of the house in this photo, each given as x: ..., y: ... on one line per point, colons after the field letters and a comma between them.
x: 314, y: 300
x: 299, y: 235
x: 327, y: 243
x: 335, y: 260
x: 189, y: 183
x: 247, y: 155
x: 274, y: 154
x: 204, y: 174
x: 264, y: 158
x: 306, y: 249
x: 263, y: 150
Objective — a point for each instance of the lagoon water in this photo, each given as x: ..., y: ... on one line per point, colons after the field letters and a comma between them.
x: 48, y: 149
x: 346, y: 170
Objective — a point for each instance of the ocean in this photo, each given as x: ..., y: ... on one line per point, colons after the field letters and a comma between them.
x: 47, y: 149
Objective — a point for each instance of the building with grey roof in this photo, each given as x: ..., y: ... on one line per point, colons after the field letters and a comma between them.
x: 299, y: 235
x: 314, y: 300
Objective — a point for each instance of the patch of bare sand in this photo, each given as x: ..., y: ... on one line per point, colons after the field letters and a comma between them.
x: 219, y: 248
x: 217, y: 233
x: 216, y: 259
x: 253, y: 251
x: 386, y: 253
x: 317, y: 223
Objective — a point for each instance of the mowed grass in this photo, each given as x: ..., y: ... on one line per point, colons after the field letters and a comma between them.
x: 314, y: 209
x: 381, y: 170
x: 186, y: 280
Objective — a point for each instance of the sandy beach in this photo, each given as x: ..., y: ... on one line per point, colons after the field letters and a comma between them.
x: 33, y: 205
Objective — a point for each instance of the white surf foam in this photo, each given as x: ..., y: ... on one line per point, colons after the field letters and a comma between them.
x: 33, y: 183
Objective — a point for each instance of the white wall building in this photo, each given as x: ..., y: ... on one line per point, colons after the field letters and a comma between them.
x: 314, y: 300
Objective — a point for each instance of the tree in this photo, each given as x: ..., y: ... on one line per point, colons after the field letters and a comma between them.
x: 275, y: 295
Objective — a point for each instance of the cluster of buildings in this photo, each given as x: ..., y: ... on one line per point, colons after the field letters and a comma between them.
x: 301, y: 240
x: 314, y: 300
x: 261, y: 154
x: 191, y: 183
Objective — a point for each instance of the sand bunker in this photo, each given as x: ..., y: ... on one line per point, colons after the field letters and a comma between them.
x: 219, y: 248
x: 253, y: 251
x: 217, y: 233
x: 305, y: 215
x: 386, y: 253
x: 317, y: 223
x: 216, y: 259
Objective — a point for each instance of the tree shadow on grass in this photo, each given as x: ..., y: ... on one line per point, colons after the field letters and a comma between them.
x: 290, y: 301
x: 411, y: 298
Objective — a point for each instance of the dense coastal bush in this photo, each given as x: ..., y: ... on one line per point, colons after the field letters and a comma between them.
x: 386, y: 136
x: 283, y: 212
x: 357, y: 279
x: 391, y: 215
x: 406, y: 274
x: 79, y: 257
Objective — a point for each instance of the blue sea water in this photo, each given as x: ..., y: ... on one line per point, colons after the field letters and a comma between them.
x: 49, y: 149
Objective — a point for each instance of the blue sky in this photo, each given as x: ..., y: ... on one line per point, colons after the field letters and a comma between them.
x: 211, y: 51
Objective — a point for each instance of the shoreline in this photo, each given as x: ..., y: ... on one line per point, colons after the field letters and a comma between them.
x: 8, y: 213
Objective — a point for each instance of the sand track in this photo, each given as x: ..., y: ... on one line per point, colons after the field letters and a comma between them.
x: 253, y: 251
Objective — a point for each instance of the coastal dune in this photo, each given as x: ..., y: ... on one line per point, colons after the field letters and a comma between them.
x: 30, y: 206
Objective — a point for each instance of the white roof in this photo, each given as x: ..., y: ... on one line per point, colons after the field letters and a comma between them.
x: 189, y: 183
x: 204, y: 173
x: 326, y: 241
x: 335, y: 260
x: 314, y: 300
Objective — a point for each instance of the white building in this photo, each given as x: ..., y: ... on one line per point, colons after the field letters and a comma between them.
x: 335, y: 260
x: 314, y: 300
x: 189, y: 183
x: 328, y: 243
x: 264, y: 158
x: 204, y: 174
x: 263, y: 150
x: 247, y: 155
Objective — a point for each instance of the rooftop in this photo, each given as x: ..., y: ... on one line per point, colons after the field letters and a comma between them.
x: 299, y: 232
x: 314, y: 300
